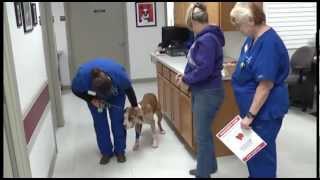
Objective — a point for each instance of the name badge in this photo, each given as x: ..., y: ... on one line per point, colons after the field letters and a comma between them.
x: 92, y: 93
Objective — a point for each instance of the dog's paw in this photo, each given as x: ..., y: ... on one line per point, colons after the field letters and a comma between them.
x: 154, y: 144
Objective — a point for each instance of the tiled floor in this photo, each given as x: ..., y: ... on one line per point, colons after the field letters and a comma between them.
x: 78, y: 154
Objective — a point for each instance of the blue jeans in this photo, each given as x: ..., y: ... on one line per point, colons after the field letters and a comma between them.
x: 205, y: 104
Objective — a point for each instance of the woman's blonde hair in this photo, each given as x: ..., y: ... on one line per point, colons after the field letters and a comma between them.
x: 197, y: 12
x: 244, y: 12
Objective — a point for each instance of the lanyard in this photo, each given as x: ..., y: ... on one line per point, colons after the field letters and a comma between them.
x: 245, y: 62
x: 111, y: 105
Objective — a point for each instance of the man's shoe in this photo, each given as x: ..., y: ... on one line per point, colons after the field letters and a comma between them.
x: 105, y: 159
x: 193, y: 172
x: 121, y: 158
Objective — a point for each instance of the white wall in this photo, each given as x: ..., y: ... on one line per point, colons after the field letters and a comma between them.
x: 233, y: 42
x: 170, y: 13
x: 143, y: 41
x: 29, y: 62
x: 29, y: 59
x: 43, y: 147
x: 61, y: 40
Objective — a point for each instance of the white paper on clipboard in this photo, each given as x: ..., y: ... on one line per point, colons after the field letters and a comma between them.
x: 243, y: 143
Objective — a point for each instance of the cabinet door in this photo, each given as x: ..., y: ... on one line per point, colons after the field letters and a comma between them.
x: 186, y: 119
x: 167, y: 99
x: 213, y: 12
x: 227, y: 112
x: 180, y: 11
x: 161, y: 92
x: 176, y: 109
x: 159, y: 68
x: 225, y: 20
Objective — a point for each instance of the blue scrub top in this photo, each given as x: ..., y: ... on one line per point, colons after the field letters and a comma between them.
x: 267, y: 59
x: 117, y: 73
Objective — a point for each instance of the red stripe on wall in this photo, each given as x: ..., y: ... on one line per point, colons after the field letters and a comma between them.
x: 34, y: 115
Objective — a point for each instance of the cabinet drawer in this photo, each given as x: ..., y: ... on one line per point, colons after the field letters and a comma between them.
x: 176, y: 108
x: 173, y: 77
x: 166, y: 73
x: 186, y: 122
x: 159, y: 68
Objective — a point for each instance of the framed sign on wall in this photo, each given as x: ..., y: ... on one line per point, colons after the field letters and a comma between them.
x: 18, y: 12
x: 146, y: 15
x: 27, y: 16
x: 34, y: 14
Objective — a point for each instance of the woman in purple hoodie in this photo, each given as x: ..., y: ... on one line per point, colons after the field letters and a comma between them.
x: 203, y: 75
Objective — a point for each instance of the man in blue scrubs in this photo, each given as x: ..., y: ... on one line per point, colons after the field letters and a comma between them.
x: 103, y: 84
x: 259, y: 84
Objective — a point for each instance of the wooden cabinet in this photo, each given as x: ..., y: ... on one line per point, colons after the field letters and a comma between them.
x: 167, y: 99
x: 218, y: 13
x: 180, y: 10
x: 161, y: 91
x: 224, y: 16
x: 159, y: 68
x: 186, y: 119
x: 176, y: 109
x: 166, y: 73
x: 176, y: 106
x: 227, y: 112
x: 213, y: 12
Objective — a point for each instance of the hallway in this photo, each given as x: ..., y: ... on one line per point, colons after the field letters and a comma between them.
x: 78, y: 155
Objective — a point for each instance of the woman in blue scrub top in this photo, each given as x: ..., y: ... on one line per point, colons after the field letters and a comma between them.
x: 259, y: 83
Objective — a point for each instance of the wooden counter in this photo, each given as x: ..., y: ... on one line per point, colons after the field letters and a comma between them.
x: 176, y: 104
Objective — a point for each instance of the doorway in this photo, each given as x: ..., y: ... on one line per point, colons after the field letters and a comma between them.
x: 96, y: 29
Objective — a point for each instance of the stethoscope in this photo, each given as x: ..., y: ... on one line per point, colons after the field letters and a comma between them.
x: 245, y: 62
x: 246, y: 59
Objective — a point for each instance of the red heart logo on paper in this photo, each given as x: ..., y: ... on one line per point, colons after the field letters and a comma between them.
x: 240, y: 136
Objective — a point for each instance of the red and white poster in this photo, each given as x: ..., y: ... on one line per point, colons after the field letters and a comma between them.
x: 146, y: 14
x: 242, y: 142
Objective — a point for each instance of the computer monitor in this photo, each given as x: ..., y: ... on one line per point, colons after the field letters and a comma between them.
x: 172, y: 35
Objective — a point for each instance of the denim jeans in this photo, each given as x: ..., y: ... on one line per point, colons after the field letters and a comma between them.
x: 205, y: 104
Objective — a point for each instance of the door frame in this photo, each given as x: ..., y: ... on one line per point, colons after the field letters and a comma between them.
x: 13, y: 122
x: 72, y: 64
x: 51, y: 61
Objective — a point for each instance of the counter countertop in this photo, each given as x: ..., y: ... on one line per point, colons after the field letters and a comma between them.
x: 176, y: 64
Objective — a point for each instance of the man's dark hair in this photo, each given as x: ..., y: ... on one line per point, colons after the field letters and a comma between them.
x: 101, y: 82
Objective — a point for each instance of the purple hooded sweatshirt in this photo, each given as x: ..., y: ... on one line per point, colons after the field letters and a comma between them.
x: 205, y: 58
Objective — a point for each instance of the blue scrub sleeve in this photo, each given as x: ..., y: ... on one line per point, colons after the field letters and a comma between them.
x: 124, y: 81
x: 267, y: 63
x: 126, y: 85
x: 78, y: 88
